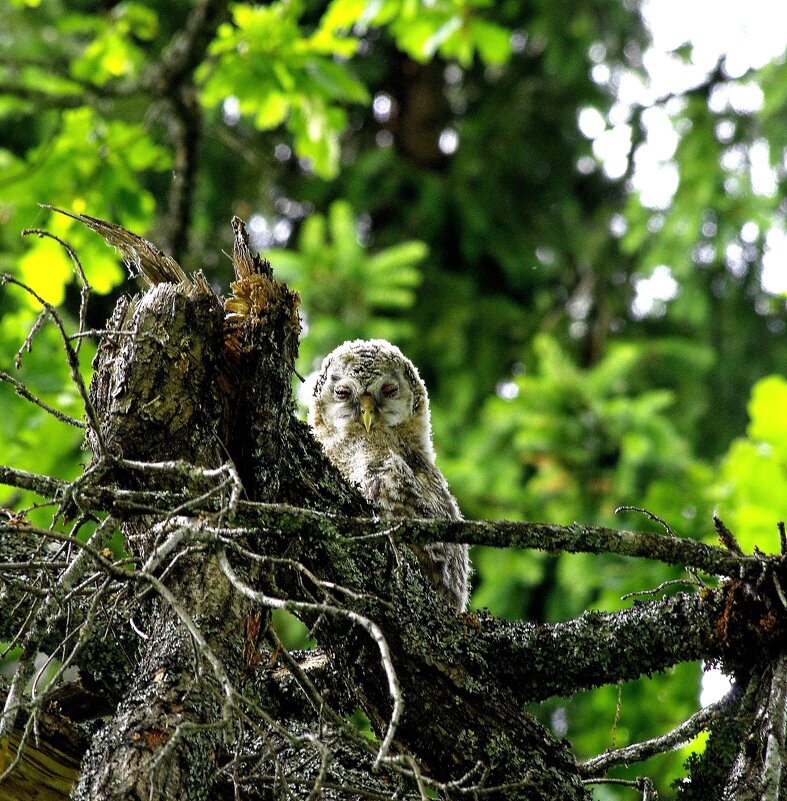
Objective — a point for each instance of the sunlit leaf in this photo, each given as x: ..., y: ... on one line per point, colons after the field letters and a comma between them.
x: 493, y: 41
x: 768, y: 413
x: 271, y: 110
x: 46, y: 269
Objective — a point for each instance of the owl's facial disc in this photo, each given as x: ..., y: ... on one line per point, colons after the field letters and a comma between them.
x: 379, y: 402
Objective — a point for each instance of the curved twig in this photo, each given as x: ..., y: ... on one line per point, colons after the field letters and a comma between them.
x: 638, y: 752
x: 368, y: 625
x: 25, y: 393
x: 84, y: 294
x: 71, y: 356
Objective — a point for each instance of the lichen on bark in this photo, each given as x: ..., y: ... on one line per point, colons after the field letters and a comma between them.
x: 230, y: 509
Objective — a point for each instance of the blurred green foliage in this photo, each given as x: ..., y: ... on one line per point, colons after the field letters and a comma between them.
x: 753, y: 475
x: 30, y: 438
x: 420, y: 171
x: 349, y: 293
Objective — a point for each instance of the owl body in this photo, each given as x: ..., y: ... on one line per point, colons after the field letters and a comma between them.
x: 370, y: 411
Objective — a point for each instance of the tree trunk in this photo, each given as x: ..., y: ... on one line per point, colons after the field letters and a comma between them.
x: 230, y: 509
x: 156, y: 396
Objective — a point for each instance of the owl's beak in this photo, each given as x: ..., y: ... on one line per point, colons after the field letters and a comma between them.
x: 367, y: 411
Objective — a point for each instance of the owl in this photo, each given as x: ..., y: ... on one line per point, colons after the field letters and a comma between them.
x: 370, y: 411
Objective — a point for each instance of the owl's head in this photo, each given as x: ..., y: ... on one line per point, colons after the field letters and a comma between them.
x: 368, y: 388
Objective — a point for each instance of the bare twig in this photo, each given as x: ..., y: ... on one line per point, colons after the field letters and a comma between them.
x: 643, y: 784
x: 27, y: 345
x: 662, y: 586
x: 368, y: 625
x: 638, y: 752
x: 25, y: 393
x: 299, y: 674
x: 97, y: 599
x: 228, y: 539
x: 655, y: 518
x: 779, y: 591
x: 726, y: 537
x: 97, y: 333
x: 31, y: 642
x: 194, y: 473
x: 71, y: 356
x: 25, y: 736
x: 85, y: 290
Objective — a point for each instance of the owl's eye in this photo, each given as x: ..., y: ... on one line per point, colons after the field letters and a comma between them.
x: 389, y: 389
x: 342, y: 392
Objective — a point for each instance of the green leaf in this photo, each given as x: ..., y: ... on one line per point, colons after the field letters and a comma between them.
x: 313, y: 235
x: 768, y: 412
x: 398, y: 259
x: 271, y: 110
x: 390, y: 298
x: 440, y: 35
x: 335, y: 81
x: 493, y: 41
x: 316, y: 132
x: 342, y: 15
x: 46, y: 269
x: 109, y: 56
x: 141, y: 20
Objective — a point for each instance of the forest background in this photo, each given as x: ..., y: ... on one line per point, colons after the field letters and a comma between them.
x: 567, y: 214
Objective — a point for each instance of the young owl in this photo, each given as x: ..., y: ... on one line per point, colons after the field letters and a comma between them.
x: 370, y: 411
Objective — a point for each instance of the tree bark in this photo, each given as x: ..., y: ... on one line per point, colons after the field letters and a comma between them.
x: 230, y: 509
x: 156, y: 395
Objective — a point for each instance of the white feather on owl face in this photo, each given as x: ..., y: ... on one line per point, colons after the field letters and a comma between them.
x: 370, y: 412
x: 369, y: 389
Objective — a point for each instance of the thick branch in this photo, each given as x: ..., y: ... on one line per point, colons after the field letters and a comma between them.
x: 513, y: 534
x: 533, y: 662
x: 172, y: 80
x: 187, y: 49
x: 539, y: 661
x: 760, y: 773
x: 45, y: 486
x: 185, y: 130
x: 498, y: 533
x: 181, y: 385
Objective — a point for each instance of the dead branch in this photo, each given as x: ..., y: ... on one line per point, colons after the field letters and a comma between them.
x: 639, y: 752
x: 229, y: 510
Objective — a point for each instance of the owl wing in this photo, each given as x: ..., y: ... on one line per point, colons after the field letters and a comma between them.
x: 409, y: 485
x: 434, y: 499
x: 446, y: 563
